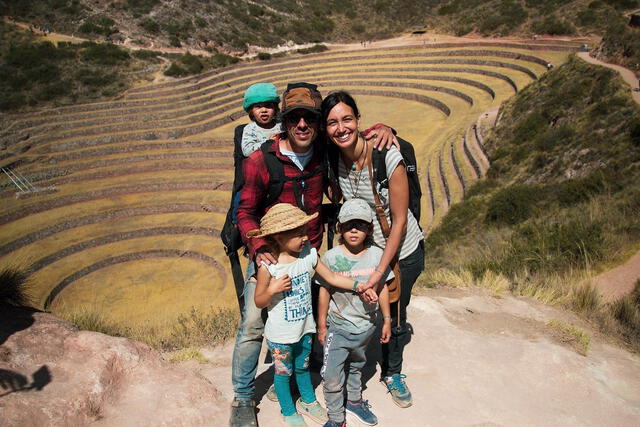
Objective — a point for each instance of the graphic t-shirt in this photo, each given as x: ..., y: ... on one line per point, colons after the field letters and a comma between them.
x: 290, y: 312
x: 347, y: 311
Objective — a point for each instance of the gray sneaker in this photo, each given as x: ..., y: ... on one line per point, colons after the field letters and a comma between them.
x: 243, y: 414
x: 271, y: 394
x: 398, y: 389
x: 312, y: 410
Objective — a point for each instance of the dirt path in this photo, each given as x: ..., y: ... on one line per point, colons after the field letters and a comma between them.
x: 479, y: 360
x: 628, y: 75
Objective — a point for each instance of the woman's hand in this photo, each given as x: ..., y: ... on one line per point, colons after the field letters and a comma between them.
x: 281, y: 284
x: 322, y: 335
x: 385, y: 335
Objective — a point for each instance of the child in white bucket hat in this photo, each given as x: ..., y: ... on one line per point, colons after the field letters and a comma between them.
x: 347, y: 323
x: 285, y: 289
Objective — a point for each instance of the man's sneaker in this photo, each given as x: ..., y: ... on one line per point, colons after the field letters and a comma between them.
x: 398, y: 388
x: 334, y: 424
x: 243, y: 414
x: 271, y: 393
x: 361, y: 410
x: 294, y: 420
x: 312, y: 410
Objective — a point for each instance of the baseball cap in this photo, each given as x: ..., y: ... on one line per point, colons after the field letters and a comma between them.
x: 259, y: 92
x: 355, y: 209
x: 301, y: 95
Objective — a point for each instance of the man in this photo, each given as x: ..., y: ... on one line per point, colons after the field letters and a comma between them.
x: 302, y: 158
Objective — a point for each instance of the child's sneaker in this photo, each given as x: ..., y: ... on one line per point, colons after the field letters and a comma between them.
x: 361, y: 410
x: 398, y: 388
x: 271, y: 393
x: 294, y: 420
x: 313, y: 410
x: 335, y: 424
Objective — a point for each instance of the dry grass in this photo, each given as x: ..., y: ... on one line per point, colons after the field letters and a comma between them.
x: 497, y: 283
x: 569, y: 334
x: 189, y: 353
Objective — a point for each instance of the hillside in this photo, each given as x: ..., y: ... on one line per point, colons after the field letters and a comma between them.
x: 561, y: 199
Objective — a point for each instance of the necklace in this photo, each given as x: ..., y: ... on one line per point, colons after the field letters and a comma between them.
x: 357, y: 174
x: 354, y: 166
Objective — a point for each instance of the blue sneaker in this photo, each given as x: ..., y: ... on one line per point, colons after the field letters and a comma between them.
x: 398, y: 388
x: 334, y: 424
x: 361, y: 410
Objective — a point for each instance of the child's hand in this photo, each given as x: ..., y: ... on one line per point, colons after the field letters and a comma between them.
x: 369, y: 296
x: 362, y: 287
x: 385, y: 335
x: 281, y: 284
x: 322, y: 335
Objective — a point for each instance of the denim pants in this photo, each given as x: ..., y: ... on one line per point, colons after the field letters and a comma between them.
x: 410, y: 269
x: 287, y: 359
x: 342, y: 347
x: 246, y: 351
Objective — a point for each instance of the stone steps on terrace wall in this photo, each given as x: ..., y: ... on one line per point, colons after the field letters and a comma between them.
x: 134, y: 256
x: 467, y: 164
x: 68, y: 200
x: 119, y: 237
x: 250, y: 67
x: 429, y: 197
x: 39, y: 172
x: 108, y: 216
x: 477, y: 150
x: 452, y: 178
x: 124, y: 109
x: 169, y: 119
x: 457, y: 169
x: 342, y: 62
x: 107, y: 135
x: 167, y: 171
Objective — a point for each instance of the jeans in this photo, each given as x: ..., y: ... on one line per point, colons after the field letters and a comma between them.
x: 287, y: 359
x: 410, y: 269
x: 342, y: 347
x: 246, y: 351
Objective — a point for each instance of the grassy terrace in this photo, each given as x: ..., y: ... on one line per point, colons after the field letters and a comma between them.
x: 137, y: 188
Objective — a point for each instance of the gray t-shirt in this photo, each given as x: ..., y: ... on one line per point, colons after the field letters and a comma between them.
x: 347, y: 311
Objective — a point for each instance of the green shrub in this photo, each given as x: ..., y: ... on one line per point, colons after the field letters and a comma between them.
x: 560, y: 136
x: 313, y: 49
x: 175, y: 70
x: 53, y: 91
x: 554, y: 26
x: 264, y: 56
x: 95, y: 78
x: 104, y: 54
x: 512, y: 205
x: 582, y: 189
x: 150, y: 25
x: 145, y: 54
x: 455, y: 222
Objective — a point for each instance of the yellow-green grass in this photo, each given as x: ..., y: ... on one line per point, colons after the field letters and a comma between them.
x: 142, y: 291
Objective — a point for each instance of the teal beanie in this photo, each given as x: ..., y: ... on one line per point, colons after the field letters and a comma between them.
x: 260, y: 92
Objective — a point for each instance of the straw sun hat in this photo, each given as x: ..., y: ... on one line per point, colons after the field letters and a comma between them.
x: 281, y: 217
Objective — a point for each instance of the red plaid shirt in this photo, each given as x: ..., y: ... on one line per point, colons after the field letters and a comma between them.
x: 254, y: 190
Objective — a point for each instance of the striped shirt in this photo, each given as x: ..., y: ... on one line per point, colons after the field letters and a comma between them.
x: 356, y: 184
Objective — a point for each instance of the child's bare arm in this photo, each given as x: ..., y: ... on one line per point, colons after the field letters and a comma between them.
x: 323, y: 309
x: 267, y: 286
x: 385, y: 309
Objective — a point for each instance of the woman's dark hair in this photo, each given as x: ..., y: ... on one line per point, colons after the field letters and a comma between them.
x: 334, y: 99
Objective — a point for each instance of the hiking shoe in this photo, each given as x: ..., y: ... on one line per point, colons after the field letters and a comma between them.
x: 243, y: 414
x: 294, y: 420
x: 331, y: 423
x: 271, y: 394
x: 312, y: 410
x: 361, y: 410
x: 398, y: 388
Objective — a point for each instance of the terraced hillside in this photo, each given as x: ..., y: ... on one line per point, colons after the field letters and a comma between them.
x: 130, y: 194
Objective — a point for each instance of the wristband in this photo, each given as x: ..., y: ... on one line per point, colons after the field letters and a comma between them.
x: 355, y: 285
x: 386, y: 317
x: 378, y: 271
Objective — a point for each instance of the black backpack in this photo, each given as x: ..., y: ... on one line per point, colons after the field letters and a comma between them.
x: 380, y: 171
x: 230, y: 234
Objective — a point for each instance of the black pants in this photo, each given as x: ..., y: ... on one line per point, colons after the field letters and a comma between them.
x: 410, y: 269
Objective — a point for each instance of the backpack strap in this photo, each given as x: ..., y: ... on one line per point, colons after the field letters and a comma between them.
x: 380, y: 167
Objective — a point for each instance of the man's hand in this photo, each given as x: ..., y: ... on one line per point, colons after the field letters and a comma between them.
x: 263, y: 254
x: 383, y: 137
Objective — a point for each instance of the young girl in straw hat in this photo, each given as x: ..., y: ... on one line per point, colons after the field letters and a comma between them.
x: 285, y: 288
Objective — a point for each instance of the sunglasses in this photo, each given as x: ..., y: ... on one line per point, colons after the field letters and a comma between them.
x: 308, y: 117
x: 355, y: 223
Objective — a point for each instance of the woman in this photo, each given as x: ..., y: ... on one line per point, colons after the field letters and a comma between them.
x: 340, y: 117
